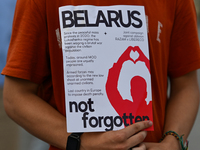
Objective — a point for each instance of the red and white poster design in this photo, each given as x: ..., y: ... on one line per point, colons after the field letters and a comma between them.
x: 107, y: 75
x: 138, y: 109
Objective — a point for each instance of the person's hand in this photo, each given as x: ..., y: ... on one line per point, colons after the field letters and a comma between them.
x: 123, y: 139
x: 169, y: 142
x: 139, y: 147
x: 157, y: 146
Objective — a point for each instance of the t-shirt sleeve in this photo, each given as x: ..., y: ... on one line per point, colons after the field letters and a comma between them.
x: 28, y: 56
x: 184, y: 53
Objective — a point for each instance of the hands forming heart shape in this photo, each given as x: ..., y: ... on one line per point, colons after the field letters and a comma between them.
x: 134, y: 55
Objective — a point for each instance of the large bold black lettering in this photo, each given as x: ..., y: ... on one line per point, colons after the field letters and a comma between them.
x: 108, y: 123
x: 131, y: 118
x: 77, y: 19
x: 113, y: 16
x: 94, y: 123
x: 84, y: 118
x: 139, y: 25
x: 138, y: 119
x: 82, y: 106
x: 87, y: 20
x: 67, y: 17
x: 125, y: 117
x: 99, y: 20
x: 121, y: 19
x: 75, y: 105
x: 145, y: 118
x: 118, y: 124
x: 90, y: 102
x: 100, y: 119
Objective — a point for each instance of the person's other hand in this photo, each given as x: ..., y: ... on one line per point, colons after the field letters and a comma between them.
x: 169, y: 142
x: 123, y: 139
x: 139, y: 147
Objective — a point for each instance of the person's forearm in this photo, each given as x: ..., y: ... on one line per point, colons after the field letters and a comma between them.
x: 35, y: 115
x: 39, y: 118
x: 182, y: 106
x: 181, y: 111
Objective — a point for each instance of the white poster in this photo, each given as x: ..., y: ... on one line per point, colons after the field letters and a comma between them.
x: 106, y: 67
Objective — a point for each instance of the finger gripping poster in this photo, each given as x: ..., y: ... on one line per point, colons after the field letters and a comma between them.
x: 107, y: 75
